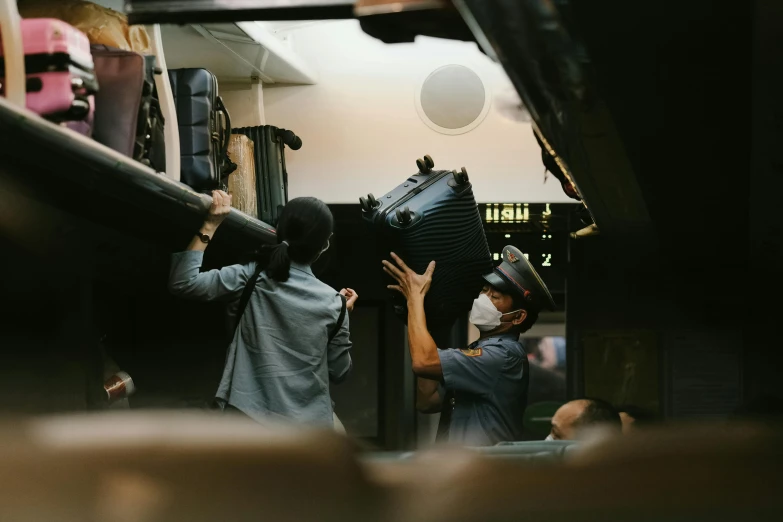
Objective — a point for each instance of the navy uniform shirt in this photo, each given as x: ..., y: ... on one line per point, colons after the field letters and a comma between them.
x: 486, y: 391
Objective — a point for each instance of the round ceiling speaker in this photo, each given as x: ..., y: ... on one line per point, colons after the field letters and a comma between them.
x: 453, y: 100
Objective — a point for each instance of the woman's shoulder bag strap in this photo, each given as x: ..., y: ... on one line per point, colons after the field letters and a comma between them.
x: 247, y: 292
x: 340, y: 320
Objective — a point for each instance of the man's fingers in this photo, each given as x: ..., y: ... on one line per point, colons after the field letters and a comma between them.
x: 392, y: 270
x: 399, y: 262
x: 430, y: 269
x: 394, y: 276
x: 396, y: 288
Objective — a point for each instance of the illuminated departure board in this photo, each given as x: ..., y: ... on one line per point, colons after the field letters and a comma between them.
x: 539, y: 230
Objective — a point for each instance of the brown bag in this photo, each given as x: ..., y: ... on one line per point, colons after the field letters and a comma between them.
x: 242, y: 183
x: 128, y: 118
x: 103, y: 26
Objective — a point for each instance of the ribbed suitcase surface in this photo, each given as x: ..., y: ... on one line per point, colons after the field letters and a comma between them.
x: 433, y: 216
x: 203, y: 134
x: 271, y: 173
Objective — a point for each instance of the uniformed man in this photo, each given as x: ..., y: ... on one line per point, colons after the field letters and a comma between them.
x: 480, y: 390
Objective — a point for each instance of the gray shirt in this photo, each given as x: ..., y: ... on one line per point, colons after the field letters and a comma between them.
x: 486, y: 388
x: 278, y: 363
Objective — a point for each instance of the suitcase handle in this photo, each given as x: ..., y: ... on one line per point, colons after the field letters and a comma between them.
x: 221, y: 109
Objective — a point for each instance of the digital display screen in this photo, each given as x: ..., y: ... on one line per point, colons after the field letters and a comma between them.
x: 540, y: 230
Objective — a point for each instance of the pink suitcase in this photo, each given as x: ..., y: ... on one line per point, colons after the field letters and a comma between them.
x: 60, y: 71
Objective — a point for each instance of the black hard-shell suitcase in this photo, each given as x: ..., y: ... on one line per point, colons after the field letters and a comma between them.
x: 204, y: 129
x: 271, y: 173
x: 433, y: 216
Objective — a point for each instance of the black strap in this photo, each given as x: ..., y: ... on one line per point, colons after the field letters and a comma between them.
x: 246, y: 293
x: 251, y: 285
x: 340, y: 320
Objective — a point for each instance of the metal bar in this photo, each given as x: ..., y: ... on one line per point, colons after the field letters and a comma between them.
x: 214, y: 11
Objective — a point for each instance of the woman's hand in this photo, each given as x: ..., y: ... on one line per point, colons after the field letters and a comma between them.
x: 409, y: 283
x: 218, y: 211
x: 350, y: 298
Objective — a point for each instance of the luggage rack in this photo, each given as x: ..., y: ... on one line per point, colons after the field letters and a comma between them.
x: 91, y: 181
x: 235, y: 52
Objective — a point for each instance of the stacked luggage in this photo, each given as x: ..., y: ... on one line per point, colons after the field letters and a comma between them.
x: 433, y: 216
x: 108, y: 91
x: 242, y: 184
x: 204, y: 129
x: 128, y: 116
x: 61, y: 78
x: 271, y: 175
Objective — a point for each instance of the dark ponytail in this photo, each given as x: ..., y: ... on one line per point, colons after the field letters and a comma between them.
x: 303, y: 230
x: 276, y: 260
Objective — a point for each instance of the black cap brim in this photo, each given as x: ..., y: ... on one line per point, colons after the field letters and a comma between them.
x: 498, y: 282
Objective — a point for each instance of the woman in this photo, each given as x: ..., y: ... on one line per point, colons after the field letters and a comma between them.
x: 280, y: 360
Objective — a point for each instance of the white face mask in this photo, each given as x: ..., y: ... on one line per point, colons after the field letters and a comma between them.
x: 484, y: 315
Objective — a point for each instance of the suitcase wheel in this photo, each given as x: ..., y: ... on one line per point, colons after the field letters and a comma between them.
x: 404, y: 216
x: 461, y: 177
x: 425, y: 165
x: 369, y: 203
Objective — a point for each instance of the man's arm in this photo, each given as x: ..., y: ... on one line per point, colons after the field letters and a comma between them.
x: 424, y: 352
x: 428, y: 399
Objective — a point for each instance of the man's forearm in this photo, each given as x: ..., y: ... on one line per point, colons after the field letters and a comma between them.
x: 196, y: 244
x: 424, y: 351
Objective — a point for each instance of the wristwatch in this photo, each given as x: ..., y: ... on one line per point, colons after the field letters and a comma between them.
x: 203, y: 237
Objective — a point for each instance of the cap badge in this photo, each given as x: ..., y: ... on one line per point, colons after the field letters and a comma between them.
x: 512, y: 258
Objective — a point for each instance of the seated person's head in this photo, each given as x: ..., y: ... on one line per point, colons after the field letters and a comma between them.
x: 634, y: 417
x: 573, y: 417
x: 512, y: 296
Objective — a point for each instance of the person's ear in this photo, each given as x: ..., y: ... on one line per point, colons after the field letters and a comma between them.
x: 520, y: 318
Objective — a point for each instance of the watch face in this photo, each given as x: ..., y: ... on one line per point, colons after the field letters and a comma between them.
x: 204, y: 238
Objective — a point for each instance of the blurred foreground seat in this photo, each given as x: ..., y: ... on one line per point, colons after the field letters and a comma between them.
x: 704, y: 473
x: 156, y: 467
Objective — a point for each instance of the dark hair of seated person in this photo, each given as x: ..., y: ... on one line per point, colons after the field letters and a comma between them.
x: 599, y: 412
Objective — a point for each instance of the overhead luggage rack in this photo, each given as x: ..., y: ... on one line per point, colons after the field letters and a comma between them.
x: 93, y: 182
x: 235, y: 52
